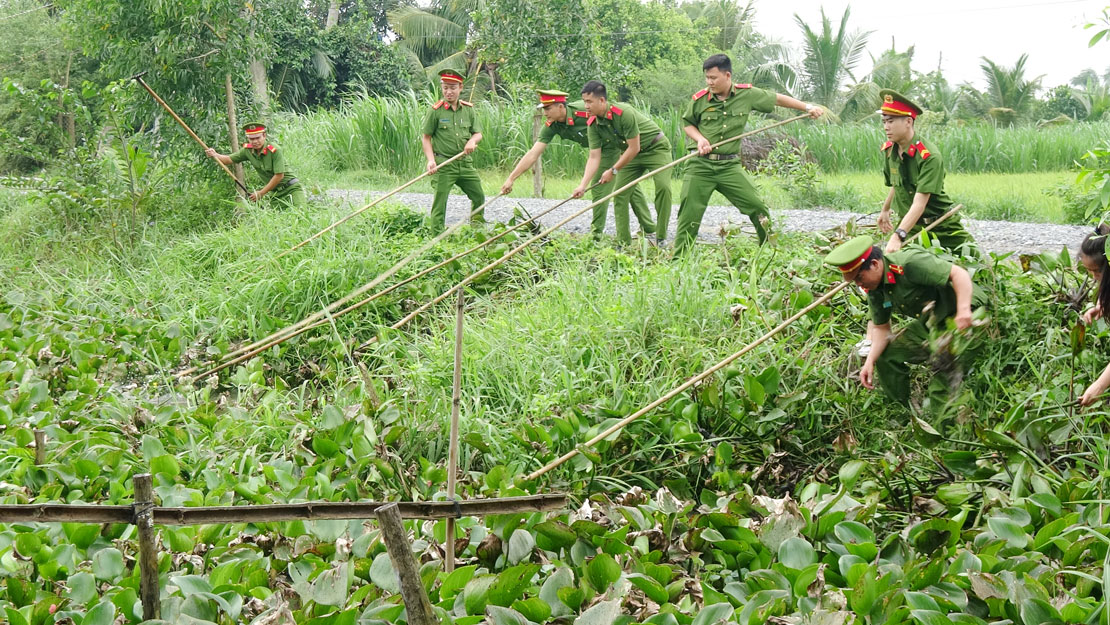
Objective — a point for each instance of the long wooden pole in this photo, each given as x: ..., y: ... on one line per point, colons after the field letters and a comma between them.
x: 453, y: 451
x: 520, y: 248
x: 189, y: 130
x: 250, y: 351
x: 267, y: 513
x: 375, y: 202
x: 616, y: 427
x: 317, y: 319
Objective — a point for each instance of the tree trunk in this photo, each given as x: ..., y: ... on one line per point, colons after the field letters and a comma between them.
x: 260, y: 85
x: 68, y: 117
x: 232, y: 124
x: 333, y: 15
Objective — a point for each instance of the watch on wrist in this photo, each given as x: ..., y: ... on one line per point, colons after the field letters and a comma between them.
x: 901, y: 234
x: 809, y: 107
x: 614, y: 170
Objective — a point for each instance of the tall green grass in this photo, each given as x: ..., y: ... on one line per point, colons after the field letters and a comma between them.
x: 383, y: 134
x: 980, y: 148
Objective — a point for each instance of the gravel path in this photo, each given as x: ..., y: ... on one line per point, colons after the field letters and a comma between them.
x: 992, y: 236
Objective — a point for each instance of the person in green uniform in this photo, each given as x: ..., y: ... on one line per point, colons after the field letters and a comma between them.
x: 913, y: 282
x: 269, y: 162
x: 1092, y: 253
x: 568, y: 121
x: 450, y: 127
x: 643, y: 147
x: 714, y: 114
x: 914, y: 171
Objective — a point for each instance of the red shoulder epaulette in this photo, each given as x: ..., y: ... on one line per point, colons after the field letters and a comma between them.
x: 591, y: 120
x: 581, y: 114
x: 613, y: 109
x: 894, y: 269
x: 246, y: 145
x: 271, y: 149
x: 548, y: 122
x: 699, y: 94
x: 918, y: 148
x: 743, y: 85
x: 465, y: 103
x: 438, y: 104
x: 886, y: 146
x: 897, y: 269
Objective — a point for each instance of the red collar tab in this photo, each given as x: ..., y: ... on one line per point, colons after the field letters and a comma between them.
x: 548, y: 122
x: 438, y: 104
x: 891, y: 270
x: 699, y: 94
x: 246, y: 145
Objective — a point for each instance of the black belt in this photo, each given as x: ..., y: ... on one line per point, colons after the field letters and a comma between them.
x: 713, y: 156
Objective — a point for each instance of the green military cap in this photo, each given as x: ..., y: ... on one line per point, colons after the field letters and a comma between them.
x: 895, y: 103
x: 450, y: 75
x: 551, y: 96
x: 848, y: 256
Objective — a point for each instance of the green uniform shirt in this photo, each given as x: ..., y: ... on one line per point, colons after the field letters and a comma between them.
x: 267, y: 161
x: 718, y: 120
x: 573, y: 129
x: 622, y: 122
x: 920, y: 169
x: 449, y: 128
x: 913, y: 277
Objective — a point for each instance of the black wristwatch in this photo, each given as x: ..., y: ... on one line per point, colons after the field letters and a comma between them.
x: 901, y: 234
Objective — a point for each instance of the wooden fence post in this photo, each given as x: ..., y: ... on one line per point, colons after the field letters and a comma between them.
x: 537, y: 169
x: 148, y: 550
x: 40, y: 447
x: 416, y: 600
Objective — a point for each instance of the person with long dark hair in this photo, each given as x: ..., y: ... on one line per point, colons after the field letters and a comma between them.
x: 1092, y: 253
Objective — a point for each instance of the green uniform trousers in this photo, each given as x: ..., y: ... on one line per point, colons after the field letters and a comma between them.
x: 460, y: 173
x: 703, y: 177
x: 653, y: 157
x: 910, y: 346
x: 637, y: 199
x: 293, y: 195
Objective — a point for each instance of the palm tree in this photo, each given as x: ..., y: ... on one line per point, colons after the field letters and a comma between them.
x: 829, y: 57
x: 731, y: 18
x: 438, y: 37
x: 1008, y: 94
x: 891, y: 70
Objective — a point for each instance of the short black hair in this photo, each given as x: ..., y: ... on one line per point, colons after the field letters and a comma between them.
x: 1094, y: 247
x: 595, y: 88
x: 720, y: 61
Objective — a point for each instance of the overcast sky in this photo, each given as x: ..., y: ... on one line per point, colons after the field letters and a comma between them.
x: 1050, y: 31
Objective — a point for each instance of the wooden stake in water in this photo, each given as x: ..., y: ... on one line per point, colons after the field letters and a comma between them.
x: 148, y: 549
x: 417, y: 604
x: 453, y: 453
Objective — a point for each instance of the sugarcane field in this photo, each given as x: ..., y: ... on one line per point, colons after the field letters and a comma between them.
x: 554, y: 312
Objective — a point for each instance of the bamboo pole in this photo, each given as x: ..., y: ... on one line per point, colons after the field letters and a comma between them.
x: 375, y: 202
x: 453, y: 453
x: 562, y: 223
x: 148, y: 548
x: 616, y: 427
x: 40, y: 446
x: 310, y: 511
x: 417, y: 604
x: 687, y: 384
x: 139, y: 79
x: 319, y: 319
